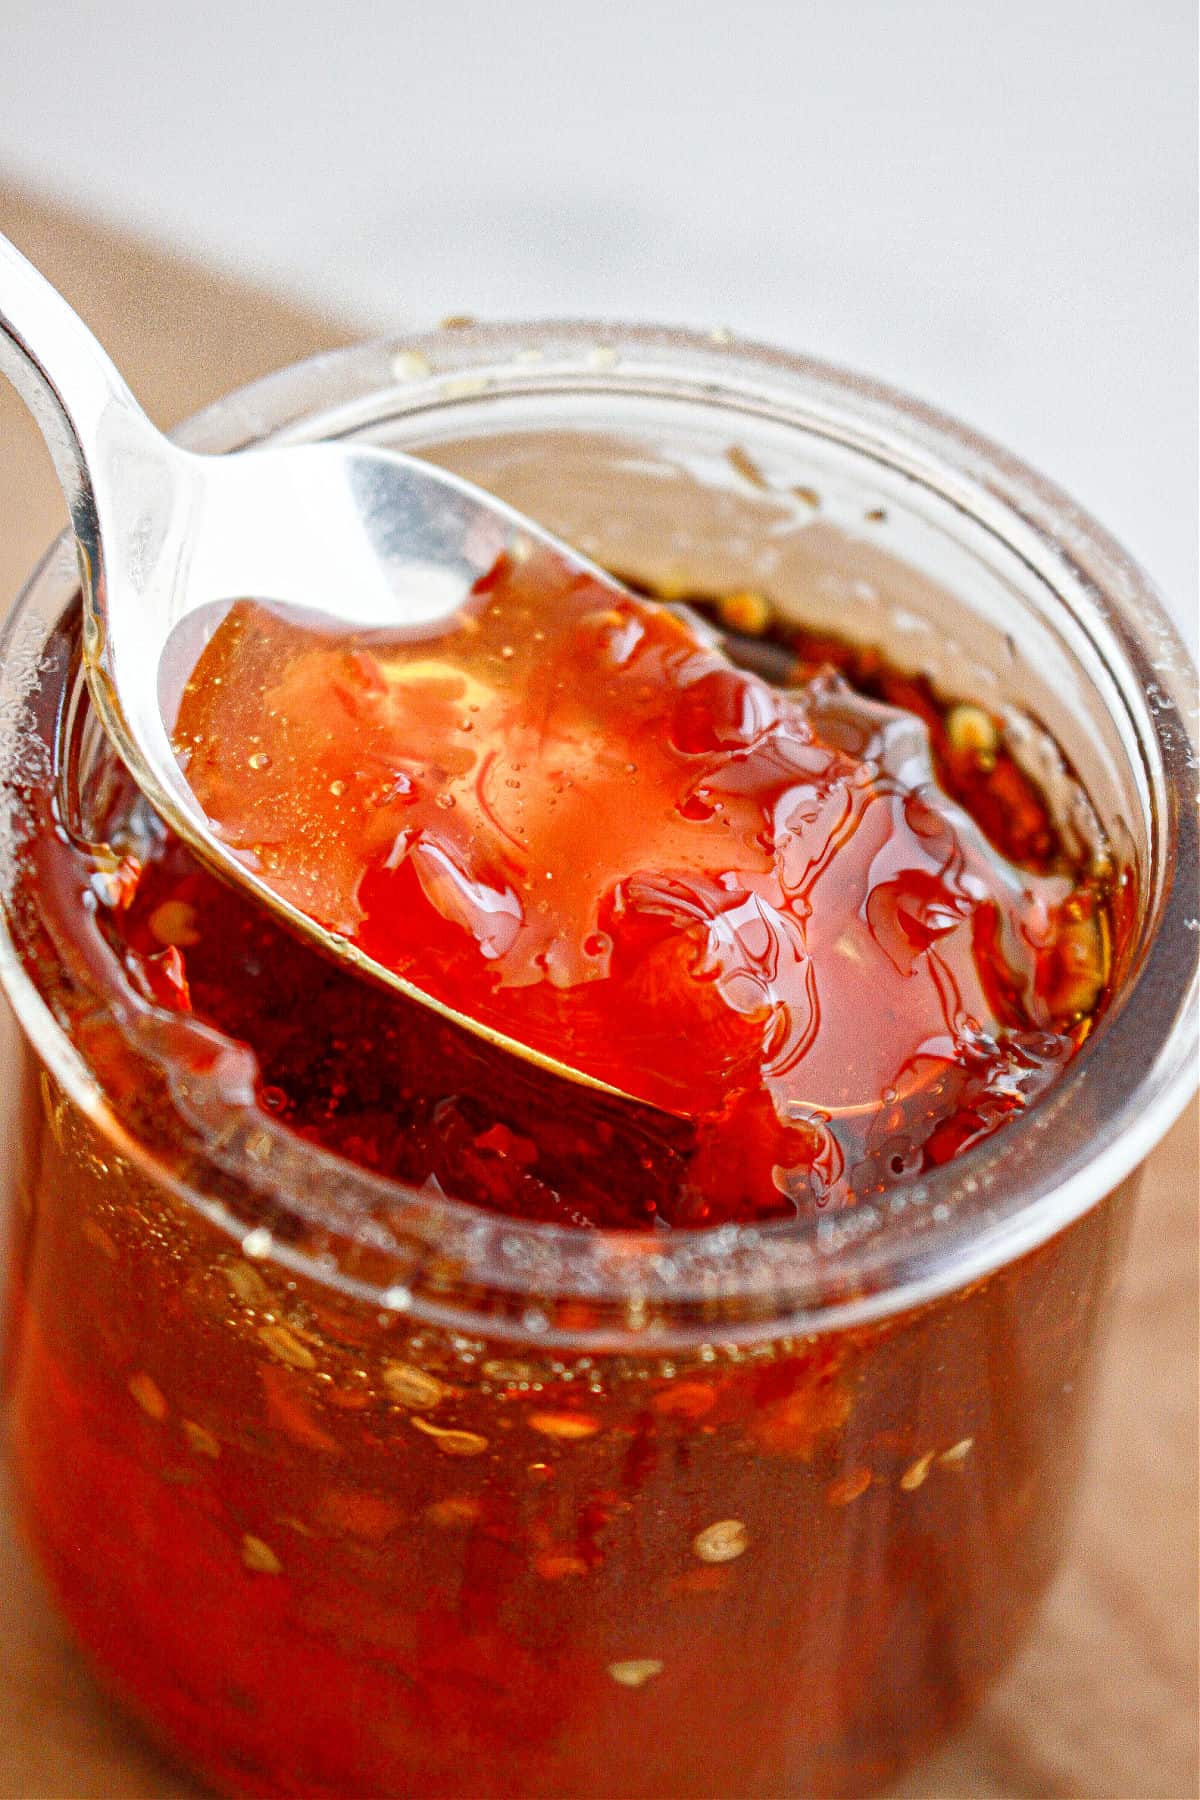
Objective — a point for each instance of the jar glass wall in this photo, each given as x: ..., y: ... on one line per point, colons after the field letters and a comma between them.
x: 375, y: 1493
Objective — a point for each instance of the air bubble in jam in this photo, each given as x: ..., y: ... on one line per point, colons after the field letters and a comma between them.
x: 829, y: 924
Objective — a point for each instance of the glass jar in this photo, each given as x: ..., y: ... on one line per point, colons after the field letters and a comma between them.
x: 348, y: 1489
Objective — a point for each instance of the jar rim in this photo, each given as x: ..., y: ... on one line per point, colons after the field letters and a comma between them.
x: 464, y: 1268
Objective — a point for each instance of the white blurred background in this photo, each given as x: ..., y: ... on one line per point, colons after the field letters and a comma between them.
x: 991, y: 203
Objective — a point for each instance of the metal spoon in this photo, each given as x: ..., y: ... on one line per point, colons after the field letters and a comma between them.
x: 370, y: 536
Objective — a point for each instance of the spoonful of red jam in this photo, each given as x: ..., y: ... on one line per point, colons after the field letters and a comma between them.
x: 488, y: 775
x: 568, y: 816
x: 163, y: 536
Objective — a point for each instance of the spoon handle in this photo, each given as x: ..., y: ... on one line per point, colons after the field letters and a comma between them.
x: 65, y: 378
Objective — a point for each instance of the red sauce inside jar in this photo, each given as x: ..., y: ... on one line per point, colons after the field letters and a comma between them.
x: 330, y: 1548
x: 576, y: 820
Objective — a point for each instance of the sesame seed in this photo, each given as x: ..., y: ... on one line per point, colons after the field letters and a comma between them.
x: 957, y: 1453
x: 721, y: 1542
x: 451, y: 1442
x: 148, y: 1395
x: 848, y: 1488
x: 247, y: 1284
x: 259, y: 1556
x: 571, y: 1427
x: 412, y: 1387
x: 458, y: 1512
x: 287, y: 1347
x: 558, y: 1565
x: 201, y: 1441
x: 914, y: 1475
x: 636, y: 1672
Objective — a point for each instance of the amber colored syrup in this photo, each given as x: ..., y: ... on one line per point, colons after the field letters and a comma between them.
x: 573, y: 818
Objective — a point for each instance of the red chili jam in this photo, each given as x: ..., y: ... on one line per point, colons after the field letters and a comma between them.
x: 331, y: 1539
x: 573, y: 818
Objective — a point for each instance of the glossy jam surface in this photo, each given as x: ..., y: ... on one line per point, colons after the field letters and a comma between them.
x: 572, y: 817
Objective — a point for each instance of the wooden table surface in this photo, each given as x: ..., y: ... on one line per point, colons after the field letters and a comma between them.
x: 1103, y: 1700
